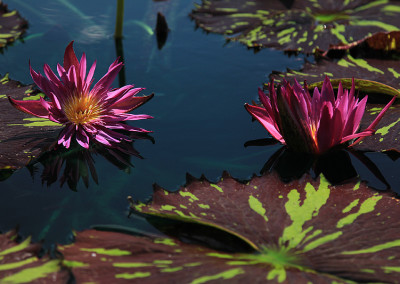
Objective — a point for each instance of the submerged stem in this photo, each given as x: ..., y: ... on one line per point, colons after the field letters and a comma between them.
x: 119, y: 19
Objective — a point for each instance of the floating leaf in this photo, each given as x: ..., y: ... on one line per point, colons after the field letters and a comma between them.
x: 12, y: 25
x: 108, y: 257
x: 387, y: 132
x: 19, y: 263
x: 21, y: 136
x: 378, y: 45
x: 384, y: 71
x: 300, y: 228
x: 361, y: 85
x: 306, y: 26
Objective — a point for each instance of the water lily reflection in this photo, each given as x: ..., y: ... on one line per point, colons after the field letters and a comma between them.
x: 70, y: 165
x: 335, y: 165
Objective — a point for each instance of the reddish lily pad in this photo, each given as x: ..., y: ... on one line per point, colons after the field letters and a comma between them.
x: 12, y: 25
x: 108, y: 257
x: 305, y: 225
x: 21, y: 136
x: 306, y: 26
x: 387, y: 132
x: 384, y: 71
x: 363, y: 86
x: 378, y: 45
x: 19, y: 263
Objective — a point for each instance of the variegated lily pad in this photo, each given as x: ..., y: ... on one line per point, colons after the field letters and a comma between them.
x: 306, y: 26
x: 19, y: 263
x: 387, y: 135
x: 21, y: 136
x: 107, y: 257
x: 306, y: 228
x: 383, y: 71
x: 379, y: 45
x: 12, y: 25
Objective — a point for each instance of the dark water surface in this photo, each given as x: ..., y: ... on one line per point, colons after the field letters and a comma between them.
x: 200, y: 124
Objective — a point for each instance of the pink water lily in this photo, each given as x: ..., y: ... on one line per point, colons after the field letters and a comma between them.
x: 87, y: 114
x: 313, y: 124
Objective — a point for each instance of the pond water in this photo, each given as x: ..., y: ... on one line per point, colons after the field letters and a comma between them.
x: 200, y: 125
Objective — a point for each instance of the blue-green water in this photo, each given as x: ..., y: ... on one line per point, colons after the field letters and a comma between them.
x: 200, y: 124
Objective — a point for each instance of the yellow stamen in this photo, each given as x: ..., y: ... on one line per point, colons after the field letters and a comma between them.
x: 81, y: 109
x: 313, y: 128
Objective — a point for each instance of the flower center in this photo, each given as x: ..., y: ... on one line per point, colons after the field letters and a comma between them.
x: 82, y: 109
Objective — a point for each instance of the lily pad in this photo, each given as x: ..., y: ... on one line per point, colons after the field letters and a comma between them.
x: 378, y: 45
x: 387, y: 132
x: 305, y: 26
x: 369, y: 69
x: 21, y: 136
x: 361, y: 85
x: 12, y: 25
x: 108, y: 257
x: 306, y: 228
x: 19, y: 263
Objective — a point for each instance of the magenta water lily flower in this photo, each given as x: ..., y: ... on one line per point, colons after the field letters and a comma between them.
x: 313, y: 124
x: 87, y: 114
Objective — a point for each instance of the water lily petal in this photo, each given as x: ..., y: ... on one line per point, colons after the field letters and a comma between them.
x: 323, y: 135
x: 355, y: 117
x: 296, y: 134
x: 357, y: 135
x: 41, y: 81
x: 376, y: 120
x: 128, y: 102
x: 327, y: 91
x: 82, y: 70
x: 106, y: 81
x: 116, y: 93
x: 107, y: 137
x: 124, y: 117
x: 263, y: 117
x: 89, y: 77
x: 70, y: 57
x: 66, y: 135
x: 127, y: 127
x: 32, y: 107
x: 82, y: 138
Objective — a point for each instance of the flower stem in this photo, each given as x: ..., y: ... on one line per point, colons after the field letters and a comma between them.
x: 119, y: 19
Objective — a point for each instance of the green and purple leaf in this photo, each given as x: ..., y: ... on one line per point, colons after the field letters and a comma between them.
x: 305, y: 225
x: 305, y: 26
x: 22, y: 136
x: 19, y: 263
x: 387, y: 132
x: 378, y: 45
x: 363, y: 70
x: 108, y: 257
x: 12, y: 25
